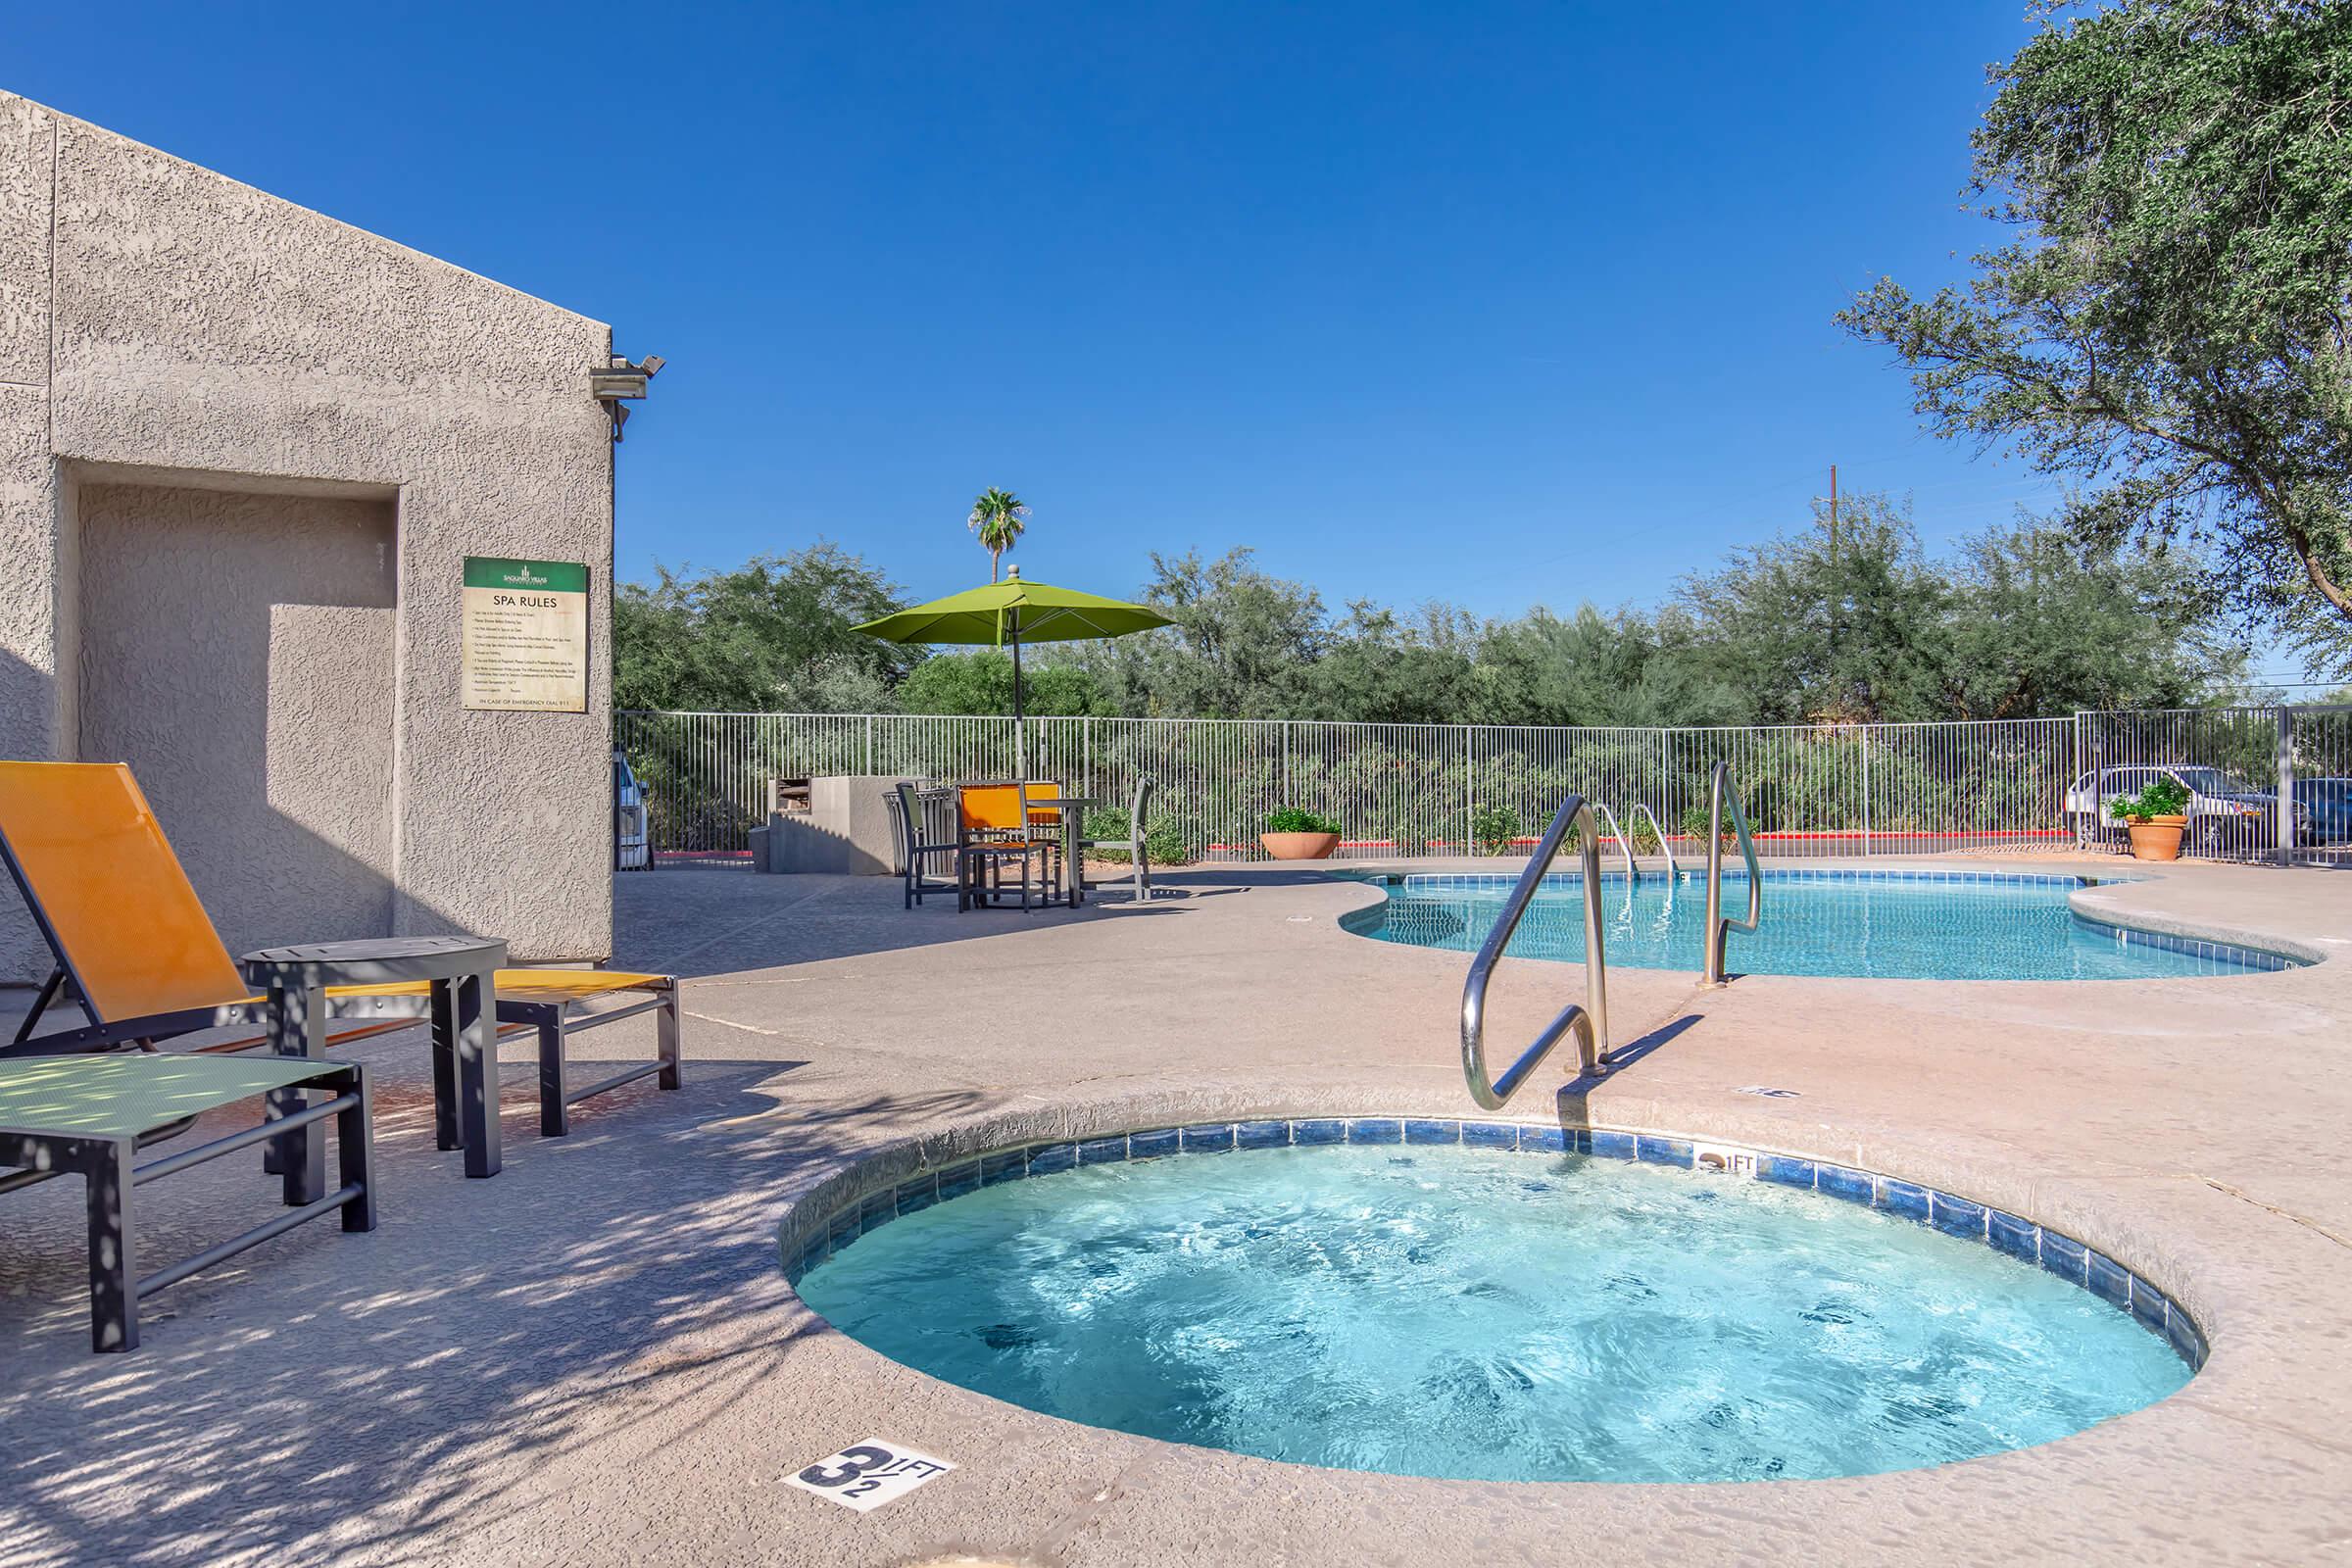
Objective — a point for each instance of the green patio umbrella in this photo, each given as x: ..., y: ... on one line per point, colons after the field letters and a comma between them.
x: 1014, y: 613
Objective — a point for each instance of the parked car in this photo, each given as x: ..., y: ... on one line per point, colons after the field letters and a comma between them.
x: 2329, y: 801
x: 632, y: 849
x: 2225, y: 814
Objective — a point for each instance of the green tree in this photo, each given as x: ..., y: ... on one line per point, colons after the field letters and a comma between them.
x: 999, y: 518
x: 1617, y: 668
x: 1793, y: 632
x: 1381, y: 667
x: 1241, y: 644
x: 2168, y: 324
x: 2044, y: 625
x: 981, y: 682
x: 772, y: 635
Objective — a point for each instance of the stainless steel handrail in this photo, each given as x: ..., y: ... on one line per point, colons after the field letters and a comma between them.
x: 1641, y: 808
x: 1717, y: 925
x: 1589, y: 1020
x: 1632, y: 873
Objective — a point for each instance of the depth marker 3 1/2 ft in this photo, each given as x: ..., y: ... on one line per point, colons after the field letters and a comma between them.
x: 868, y: 1474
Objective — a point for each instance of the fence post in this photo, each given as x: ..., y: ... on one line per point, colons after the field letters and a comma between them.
x: 870, y: 744
x: 2081, y: 751
x: 1286, y: 797
x: 1665, y: 807
x: 1864, y: 733
x: 2284, y: 805
x: 1469, y: 791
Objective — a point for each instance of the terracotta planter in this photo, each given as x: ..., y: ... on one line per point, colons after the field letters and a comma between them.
x: 1299, y: 846
x: 2158, y: 838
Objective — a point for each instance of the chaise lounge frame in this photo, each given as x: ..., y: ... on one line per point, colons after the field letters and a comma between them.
x: 100, y: 1140
x: 188, y: 983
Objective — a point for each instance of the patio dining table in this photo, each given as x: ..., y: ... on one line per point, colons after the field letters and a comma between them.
x: 1073, y: 810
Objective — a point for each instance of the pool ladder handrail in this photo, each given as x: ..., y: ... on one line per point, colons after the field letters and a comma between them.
x: 1632, y: 874
x: 1633, y: 814
x: 1717, y: 925
x: 1589, y: 1020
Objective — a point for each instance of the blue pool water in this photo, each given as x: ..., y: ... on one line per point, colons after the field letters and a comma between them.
x: 1455, y: 1312
x: 1988, y: 929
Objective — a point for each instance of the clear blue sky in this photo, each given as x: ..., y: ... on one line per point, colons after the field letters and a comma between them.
x: 1491, y: 303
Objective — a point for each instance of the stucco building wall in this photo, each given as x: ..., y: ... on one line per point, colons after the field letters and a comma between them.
x: 286, y: 434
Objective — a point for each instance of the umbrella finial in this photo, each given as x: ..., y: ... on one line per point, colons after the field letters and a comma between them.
x: 1013, y: 571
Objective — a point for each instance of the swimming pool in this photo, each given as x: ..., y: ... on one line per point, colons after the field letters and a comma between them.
x: 1884, y: 925
x: 1476, y: 1309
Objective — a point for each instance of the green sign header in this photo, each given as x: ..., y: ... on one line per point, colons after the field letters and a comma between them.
x: 538, y: 576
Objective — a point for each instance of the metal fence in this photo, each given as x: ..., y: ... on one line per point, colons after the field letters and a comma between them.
x: 1458, y: 789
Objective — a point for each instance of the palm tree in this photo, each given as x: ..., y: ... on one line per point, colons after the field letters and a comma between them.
x: 998, y: 519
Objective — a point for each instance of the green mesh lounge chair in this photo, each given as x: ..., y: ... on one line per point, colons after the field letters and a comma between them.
x: 89, y: 1116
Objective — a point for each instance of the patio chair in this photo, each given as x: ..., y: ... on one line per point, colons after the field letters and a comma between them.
x: 135, y: 951
x: 1140, y: 876
x: 90, y: 1115
x: 912, y: 809
x: 1006, y: 824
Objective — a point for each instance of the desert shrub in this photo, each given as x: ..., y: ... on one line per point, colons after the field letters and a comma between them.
x: 1297, y: 820
x: 1165, y: 842
x: 1493, y: 829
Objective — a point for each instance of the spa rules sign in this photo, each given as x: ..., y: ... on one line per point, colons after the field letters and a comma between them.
x: 526, y: 636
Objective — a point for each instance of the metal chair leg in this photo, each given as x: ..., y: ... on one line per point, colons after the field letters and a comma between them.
x: 114, y: 1277
x: 445, y: 1071
x: 354, y: 1154
x: 555, y: 1112
x: 666, y: 1039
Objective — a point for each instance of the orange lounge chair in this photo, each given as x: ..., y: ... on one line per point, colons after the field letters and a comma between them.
x: 137, y: 953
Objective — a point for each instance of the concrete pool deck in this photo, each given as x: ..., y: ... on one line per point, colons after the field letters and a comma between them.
x: 594, y: 1357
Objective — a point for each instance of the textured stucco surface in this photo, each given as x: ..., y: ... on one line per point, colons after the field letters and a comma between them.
x: 163, y: 325
x: 594, y: 1358
x: 236, y: 650
x: 30, y: 715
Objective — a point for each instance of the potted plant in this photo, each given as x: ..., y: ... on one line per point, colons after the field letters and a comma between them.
x: 2157, y: 816
x: 1293, y: 833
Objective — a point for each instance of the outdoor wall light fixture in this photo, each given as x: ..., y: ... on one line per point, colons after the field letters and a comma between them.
x: 620, y: 380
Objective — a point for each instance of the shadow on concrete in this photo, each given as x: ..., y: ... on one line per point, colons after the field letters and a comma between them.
x: 585, y: 1296
x: 1574, y: 1098
x: 694, y: 923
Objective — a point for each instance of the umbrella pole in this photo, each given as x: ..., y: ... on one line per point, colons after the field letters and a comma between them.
x: 1020, y: 729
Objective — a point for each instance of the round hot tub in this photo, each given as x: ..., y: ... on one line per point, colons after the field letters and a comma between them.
x: 1495, y: 1301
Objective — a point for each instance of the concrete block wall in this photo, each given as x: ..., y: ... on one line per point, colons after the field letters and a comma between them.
x: 164, y: 332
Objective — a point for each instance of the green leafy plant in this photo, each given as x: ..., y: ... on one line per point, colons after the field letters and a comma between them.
x: 1297, y: 820
x: 2164, y: 796
x: 1641, y: 837
x: 1493, y: 829
x: 1694, y: 822
x: 1405, y: 837
x: 1164, y: 842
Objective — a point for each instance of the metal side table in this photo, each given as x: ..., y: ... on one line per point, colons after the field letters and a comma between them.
x: 463, y: 1006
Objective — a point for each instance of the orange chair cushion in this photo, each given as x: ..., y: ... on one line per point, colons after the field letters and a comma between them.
x: 103, y: 878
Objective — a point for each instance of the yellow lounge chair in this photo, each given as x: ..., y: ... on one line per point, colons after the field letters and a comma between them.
x: 137, y: 953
